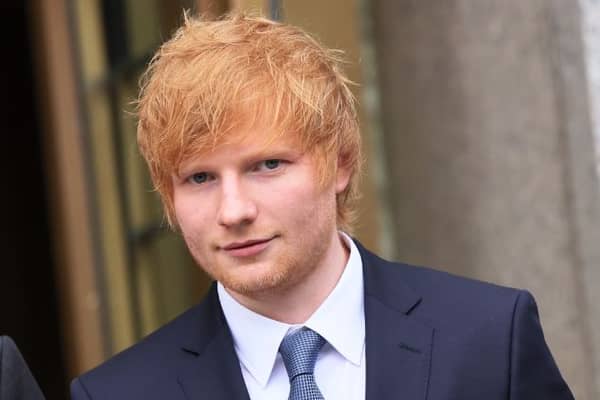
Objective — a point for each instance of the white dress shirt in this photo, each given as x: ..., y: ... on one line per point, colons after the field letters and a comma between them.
x: 340, y: 369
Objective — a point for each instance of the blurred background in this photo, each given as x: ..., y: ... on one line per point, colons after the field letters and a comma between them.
x: 481, y: 121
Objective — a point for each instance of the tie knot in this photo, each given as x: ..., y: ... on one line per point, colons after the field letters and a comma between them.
x: 299, y: 352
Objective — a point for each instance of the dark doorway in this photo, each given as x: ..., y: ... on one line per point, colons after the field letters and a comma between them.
x: 28, y: 298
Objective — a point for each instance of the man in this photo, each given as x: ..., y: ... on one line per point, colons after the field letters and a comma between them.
x: 251, y: 137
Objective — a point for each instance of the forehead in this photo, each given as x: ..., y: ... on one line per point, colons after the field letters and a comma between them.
x: 257, y: 134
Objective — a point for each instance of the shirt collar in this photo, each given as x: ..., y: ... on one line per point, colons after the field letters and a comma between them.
x: 345, y: 333
x: 340, y: 318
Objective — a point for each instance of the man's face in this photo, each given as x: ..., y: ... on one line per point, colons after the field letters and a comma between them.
x: 254, y: 216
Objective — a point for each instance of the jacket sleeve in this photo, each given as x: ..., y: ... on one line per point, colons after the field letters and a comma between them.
x: 533, y: 372
x: 16, y: 380
x: 78, y: 392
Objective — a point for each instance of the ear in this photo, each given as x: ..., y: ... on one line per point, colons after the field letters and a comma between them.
x: 342, y: 176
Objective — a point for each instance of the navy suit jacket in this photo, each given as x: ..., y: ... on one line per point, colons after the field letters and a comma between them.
x: 429, y: 335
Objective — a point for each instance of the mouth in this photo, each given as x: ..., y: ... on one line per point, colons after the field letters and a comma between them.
x: 247, y: 248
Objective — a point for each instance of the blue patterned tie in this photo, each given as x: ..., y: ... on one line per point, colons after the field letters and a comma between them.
x: 299, y: 352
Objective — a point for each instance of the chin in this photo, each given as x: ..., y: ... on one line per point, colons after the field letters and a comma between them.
x: 259, y: 278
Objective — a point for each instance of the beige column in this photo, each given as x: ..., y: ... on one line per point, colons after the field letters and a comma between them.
x: 71, y: 234
x: 491, y: 158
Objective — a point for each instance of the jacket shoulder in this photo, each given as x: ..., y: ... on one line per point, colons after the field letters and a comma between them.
x: 151, y: 365
x: 445, y: 299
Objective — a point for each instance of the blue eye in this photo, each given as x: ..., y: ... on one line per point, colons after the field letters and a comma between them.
x: 200, y: 177
x: 272, y: 164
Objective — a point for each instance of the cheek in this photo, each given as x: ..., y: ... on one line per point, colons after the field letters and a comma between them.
x: 302, y: 203
x: 196, y: 240
x: 190, y: 217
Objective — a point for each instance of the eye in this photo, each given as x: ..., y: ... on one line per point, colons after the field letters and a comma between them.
x: 271, y: 164
x: 199, y: 178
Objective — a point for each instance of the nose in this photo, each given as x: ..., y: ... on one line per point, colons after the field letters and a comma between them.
x: 236, y: 208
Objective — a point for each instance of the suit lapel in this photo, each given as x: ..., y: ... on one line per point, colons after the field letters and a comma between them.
x: 398, y: 346
x: 211, y: 370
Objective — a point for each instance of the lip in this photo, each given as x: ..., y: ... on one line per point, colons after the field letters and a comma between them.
x: 247, y: 248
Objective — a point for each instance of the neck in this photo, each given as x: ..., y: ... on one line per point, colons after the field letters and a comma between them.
x: 295, y: 303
